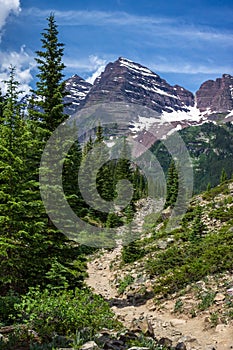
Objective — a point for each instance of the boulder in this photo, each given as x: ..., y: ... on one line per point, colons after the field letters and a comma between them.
x: 166, y: 342
x: 91, y: 345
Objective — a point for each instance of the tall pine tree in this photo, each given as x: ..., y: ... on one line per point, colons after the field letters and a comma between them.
x: 50, y: 86
x: 172, y: 185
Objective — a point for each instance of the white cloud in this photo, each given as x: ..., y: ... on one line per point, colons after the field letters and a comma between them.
x: 157, y: 27
x: 99, y: 66
x: 23, y: 63
x: 93, y: 65
x: 190, y: 68
x: 73, y: 17
x: 6, y: 8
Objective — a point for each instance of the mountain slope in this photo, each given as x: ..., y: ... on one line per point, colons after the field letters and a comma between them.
x: 181, y: 280
x: 210, y: 147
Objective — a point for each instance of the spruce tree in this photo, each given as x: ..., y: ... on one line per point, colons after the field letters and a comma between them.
x: 223, y: 176
x: 70, y: 174
x: 198, y: 227
x: 50, y: 89
x: 123, y: 171
x: 1, y: 105
x: 18, y: 195
x: 172, y: 185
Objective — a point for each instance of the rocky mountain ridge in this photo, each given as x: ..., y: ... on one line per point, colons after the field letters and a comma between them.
x: 77, y: 89
x: 125, y: 81
x: 216, y: 96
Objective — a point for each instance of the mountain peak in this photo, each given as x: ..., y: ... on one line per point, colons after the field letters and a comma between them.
x: 134, y: 66
x: 132, y: 83
x: 77, y: 88
x: 216, y: 95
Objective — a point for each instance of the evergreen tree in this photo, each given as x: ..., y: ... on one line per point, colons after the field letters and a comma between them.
x: 172, y: 185
x: 88, y: 146
x: 198, y: 227
x: 123, y: 171
x: 131, y: 252
x: 32, y: 249
x: 1, y: 105
x: 139, y: 184
x: 223, y: 177
x: 70, y: 178
x: 50, y: 87
x: 113, y: 220
x: 18, y: 194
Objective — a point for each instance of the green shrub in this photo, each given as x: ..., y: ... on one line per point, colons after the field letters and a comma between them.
x: 7, y: 310
x: 123, y: 284
x: 179, y: 266
x: 222, y: 213
x: 131, y: 253
x: 207, y: 300
x: 64, y: 312
x: 213, y: 192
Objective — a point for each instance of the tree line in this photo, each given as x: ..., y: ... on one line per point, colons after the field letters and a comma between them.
x: 32, y: 250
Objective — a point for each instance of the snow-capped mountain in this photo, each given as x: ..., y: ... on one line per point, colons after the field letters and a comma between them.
x: 126, y: 81
x: 143, y: 104
x: 77, y: 89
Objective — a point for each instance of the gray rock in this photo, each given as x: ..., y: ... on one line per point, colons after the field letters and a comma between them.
x: 91, y: 345
x: 181, y: 346
x: 138, y: 348
x: 165, y: 342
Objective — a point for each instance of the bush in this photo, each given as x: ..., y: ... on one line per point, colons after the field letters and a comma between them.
x: 131, y: 253
x: 64, y: 312
x: 222, y: 213
x: 7, y: 310
x: 180, y: 266
x: 123, y: 284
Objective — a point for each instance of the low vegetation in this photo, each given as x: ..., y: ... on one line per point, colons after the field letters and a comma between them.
x: 200, y: 247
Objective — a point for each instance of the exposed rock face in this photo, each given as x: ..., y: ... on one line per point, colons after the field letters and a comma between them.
x: 126, y: 81
x: 77, y: 89
x: 216, y: 96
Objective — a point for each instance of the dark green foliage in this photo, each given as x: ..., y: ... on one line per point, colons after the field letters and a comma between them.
x: 223, y: 213
x: 179, y: 266
x: 7, y: 309
x: 70, y: 178
x: 64, y: 312
x: 198, y: 227
x: 113, y: 220
x: 213, y: 192
x: 50, y: 87
x: 131, y: 252
x: 223, y: 177
x: 139, y: 184
x: 110, y: 182
x: 172, y: 185
x: 32, y: 251
x: 211, y: 148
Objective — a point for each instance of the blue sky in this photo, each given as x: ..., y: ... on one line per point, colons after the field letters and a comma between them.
x: 186, y: 42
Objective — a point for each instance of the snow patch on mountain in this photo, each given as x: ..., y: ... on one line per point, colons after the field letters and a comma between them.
x: 136, y: 67
x: 192, y: 113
